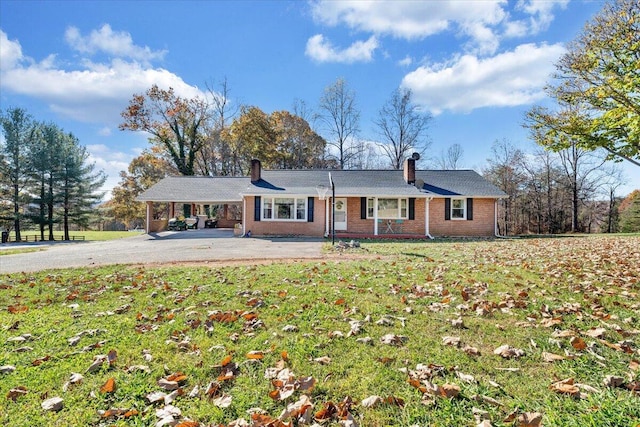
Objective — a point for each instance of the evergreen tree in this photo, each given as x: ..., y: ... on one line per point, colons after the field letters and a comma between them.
x: 630, y: 213
x: 79, y: 184
x: 18, y: 129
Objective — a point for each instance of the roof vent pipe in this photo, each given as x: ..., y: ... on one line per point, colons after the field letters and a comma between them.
x: 256, y: 169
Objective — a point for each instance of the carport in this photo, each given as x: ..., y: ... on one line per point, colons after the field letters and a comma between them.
x: 201, y: 197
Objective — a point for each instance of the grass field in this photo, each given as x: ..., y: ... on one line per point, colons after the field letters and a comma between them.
x: 447, y: 333
x: 87, y: 234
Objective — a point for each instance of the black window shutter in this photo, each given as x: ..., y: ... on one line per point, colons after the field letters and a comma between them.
x: 412, y: 208
x: 447, y: 209
x: 469, y: 209
x: 310, y: 209
x: 256, y: 211
x: 363, y: 208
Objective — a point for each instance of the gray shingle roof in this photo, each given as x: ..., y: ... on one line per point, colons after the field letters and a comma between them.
x: 437, y: 183
x: 191, y: 189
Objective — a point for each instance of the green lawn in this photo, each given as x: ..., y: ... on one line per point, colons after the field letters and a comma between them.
x: 392, y: 334
x: 87, y: 235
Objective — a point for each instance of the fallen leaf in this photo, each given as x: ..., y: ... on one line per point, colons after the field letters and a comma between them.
x: 109, y: 386
x: 16, y: 392
x: 155, y: 397
x: 508, y: 352
x: 74, y: 379
x: 578, y: 343
x: 324, y: 360
x: 112, y: 356
x: 449, y: 390
x: 97, y: 363
x: 595, y: 332
x: 566, y: 387
x: 393, y: 339
x: 165, y: 384
x: 471, y: 351
x: 371, y: 401
x: 550, y: 357
x: 452, y: 341
x: 529, y: 419
x: 613, y: 381
x: 255, y: 355
x: 223, y: 401
x: 52, y: 404
x: 7, y: 369
x: 15, y: 309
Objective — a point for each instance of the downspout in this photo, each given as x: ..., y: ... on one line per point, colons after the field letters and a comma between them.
x: 427, y: 201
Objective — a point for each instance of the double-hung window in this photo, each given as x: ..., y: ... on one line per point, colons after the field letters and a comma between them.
x: 458, y: 209
x: 388, y: 208
x: 284, y: 208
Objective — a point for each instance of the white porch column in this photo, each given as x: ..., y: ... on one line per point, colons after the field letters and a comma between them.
x: 244, y: 214
x: 148, y: 216
x: 375, y: 215
x: 495, y: 218
x: 326, y: 217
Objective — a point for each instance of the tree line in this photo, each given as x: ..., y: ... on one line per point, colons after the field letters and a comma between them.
x: 46, y: 178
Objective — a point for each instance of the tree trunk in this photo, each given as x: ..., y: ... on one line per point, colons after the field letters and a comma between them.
x: 16, y: 212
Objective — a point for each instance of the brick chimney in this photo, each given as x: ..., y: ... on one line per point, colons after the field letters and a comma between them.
x: 256, y: 169
x: 410, y: 171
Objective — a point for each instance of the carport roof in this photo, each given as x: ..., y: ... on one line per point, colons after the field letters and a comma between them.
x: 437, y: 183
x: 192, y: 189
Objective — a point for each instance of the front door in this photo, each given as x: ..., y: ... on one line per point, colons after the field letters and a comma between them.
x: 340, y: 212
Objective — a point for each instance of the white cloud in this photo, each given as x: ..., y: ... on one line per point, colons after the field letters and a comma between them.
x: 111, y: 162
x: 468, y: 82
x: 414, y: 19
x: 10, y: 52
x: 118, y: 44
x: 321, y: 50
x: 91, y: 92
x: 104, y: 131
x: 481, y: 24
x: 406, y: 61
x: 541, y: 12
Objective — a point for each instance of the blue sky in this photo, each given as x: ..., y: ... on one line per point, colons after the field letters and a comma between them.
x: 477, y: 66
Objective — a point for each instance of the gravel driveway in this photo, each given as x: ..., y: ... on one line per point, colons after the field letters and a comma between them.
x: 164, y: 247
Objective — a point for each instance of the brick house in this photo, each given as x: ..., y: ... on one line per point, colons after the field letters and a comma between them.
x: 367, y: 203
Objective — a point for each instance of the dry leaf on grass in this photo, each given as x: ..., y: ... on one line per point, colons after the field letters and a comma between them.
x: 52, y: 404
x: 508, y: 352
x: 578, y: 343
x: 16, y: 392
x: 551, y: 357
x: 393, y: 339
x: 109, y: 386
x: 223, y: 401
x: 7, y: 369
x: 529, y: 419
x: 567, y: 387
x: 371, y: 401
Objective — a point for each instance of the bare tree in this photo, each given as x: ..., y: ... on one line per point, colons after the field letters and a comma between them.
x: 403, y: 127
x: 215, y: 156
x: 505, y: 171
x: 450, y: 159
x: 341, y: 120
